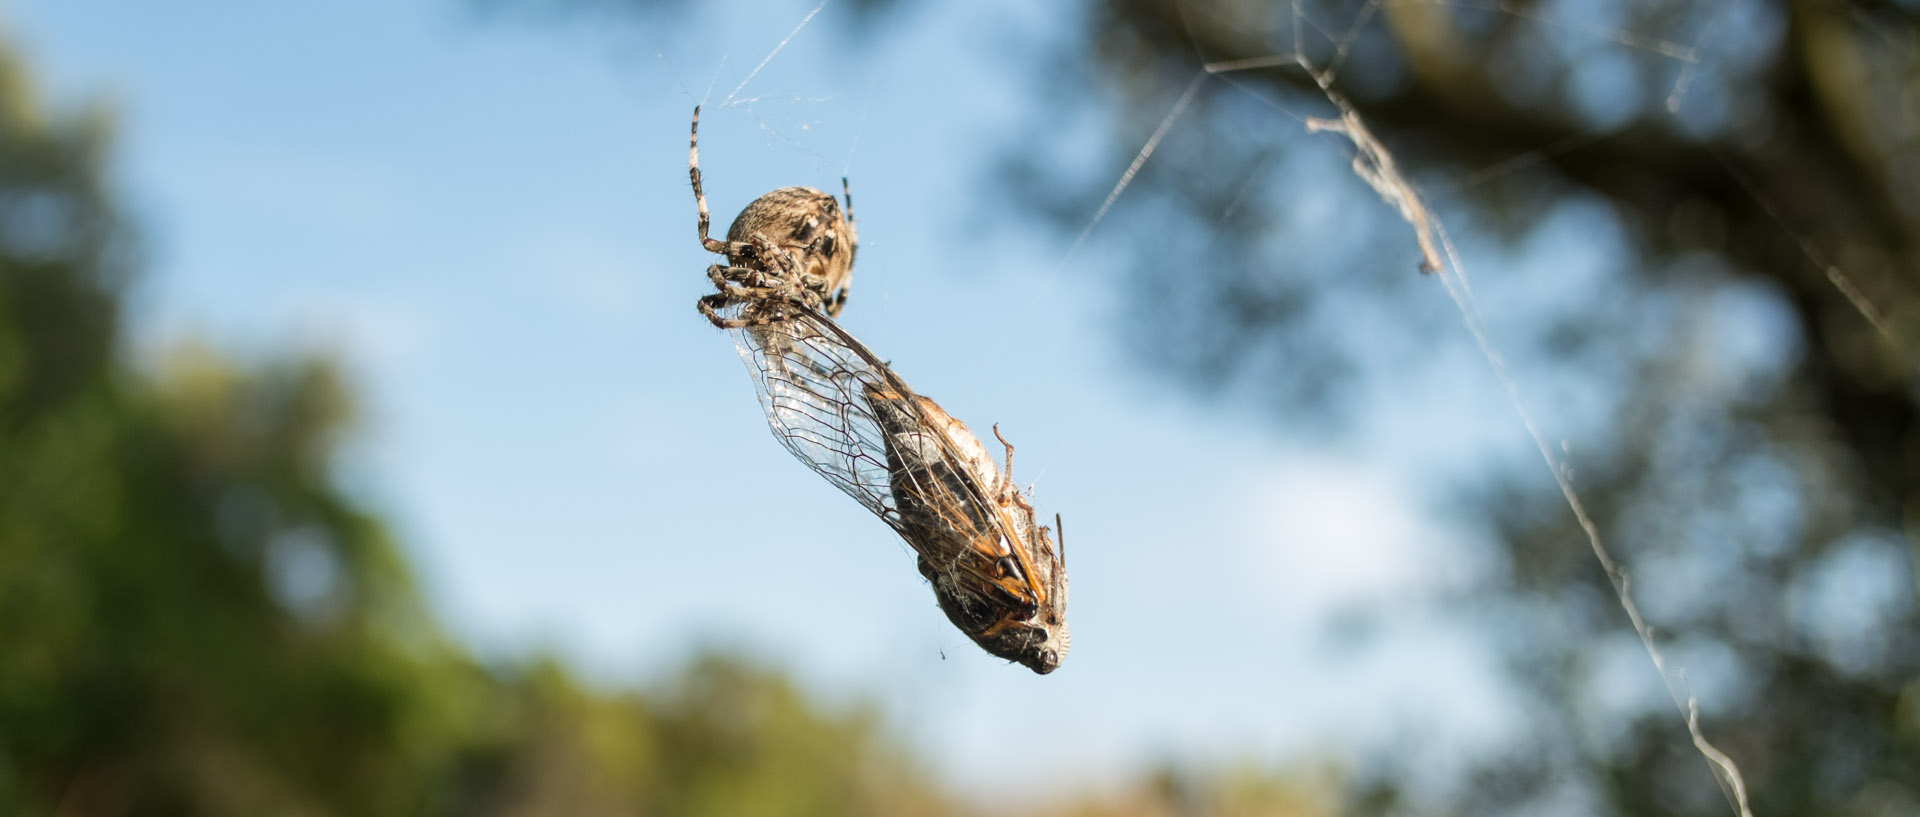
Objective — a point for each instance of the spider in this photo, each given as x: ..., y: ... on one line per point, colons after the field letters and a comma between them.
x: 789, y: 249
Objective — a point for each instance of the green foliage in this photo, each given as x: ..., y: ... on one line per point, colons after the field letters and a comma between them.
x: 194, y: 619
x: 721, y: 738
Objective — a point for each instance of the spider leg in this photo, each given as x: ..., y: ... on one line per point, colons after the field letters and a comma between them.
x: 740, y: 282
x: 748, y: 284
x: 839, y: 299
x: 784, y: 265
x: 813, y: 287
x: 700, y: 196
x: 709, y: 304
x: 734, y: 293
x: 772, y: 256
x: 778, y: 311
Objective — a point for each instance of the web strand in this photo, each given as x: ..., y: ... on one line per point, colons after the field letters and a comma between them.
x: 1629, y: 39
x: 1344, y: 48
x: 1126, y: 178
x: 1376, y: 166
x: 1725, y: 772
x: 1684, y: 82
x: 770, y: 55
x: 1139, y: 160
x: 1525, y: 160
x: 1835, y: 275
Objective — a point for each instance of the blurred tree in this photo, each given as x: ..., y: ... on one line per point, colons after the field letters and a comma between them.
x: 1236, y: 792
x: 722, y: 737
x: 1718, y: 205
x: 194, y: 619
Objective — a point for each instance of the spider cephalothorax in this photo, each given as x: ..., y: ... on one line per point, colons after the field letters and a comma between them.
x: 794, y: 244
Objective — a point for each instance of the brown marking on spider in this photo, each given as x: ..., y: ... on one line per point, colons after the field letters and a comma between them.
x: 791, y: 248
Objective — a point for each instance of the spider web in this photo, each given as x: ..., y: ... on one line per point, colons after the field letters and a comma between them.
x: 1375, y: 164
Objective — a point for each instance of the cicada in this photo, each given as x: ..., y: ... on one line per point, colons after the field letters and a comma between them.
x: 996, y: 573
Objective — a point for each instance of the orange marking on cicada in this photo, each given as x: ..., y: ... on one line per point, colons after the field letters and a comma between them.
x: 1002, y: 537
x: 999, y: 626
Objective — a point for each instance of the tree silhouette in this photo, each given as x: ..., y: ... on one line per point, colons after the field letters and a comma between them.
x: 1746, y: 352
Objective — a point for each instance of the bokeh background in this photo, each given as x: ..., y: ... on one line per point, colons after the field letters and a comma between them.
x: 361, y: 451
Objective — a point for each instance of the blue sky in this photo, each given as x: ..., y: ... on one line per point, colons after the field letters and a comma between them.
x: 490, y: 225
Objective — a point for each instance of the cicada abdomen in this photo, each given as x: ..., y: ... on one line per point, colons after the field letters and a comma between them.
x: 994, y: 572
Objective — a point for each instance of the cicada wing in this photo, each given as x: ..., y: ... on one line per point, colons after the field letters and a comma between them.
x: 839, y: 409
x: 944, y: 509
x: 810, y: 382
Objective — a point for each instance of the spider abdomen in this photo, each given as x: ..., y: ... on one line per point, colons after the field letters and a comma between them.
x: 810, y: 226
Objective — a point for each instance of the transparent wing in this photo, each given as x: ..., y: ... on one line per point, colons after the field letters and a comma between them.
x: 812, y: 381
x: 839, y: 409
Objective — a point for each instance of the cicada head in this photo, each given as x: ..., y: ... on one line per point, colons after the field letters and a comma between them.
x: 1044, y: 642
x: 1038, y: 645
x: 1036, y: 638
x: 1033, y: 635
x: 810, y: 226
